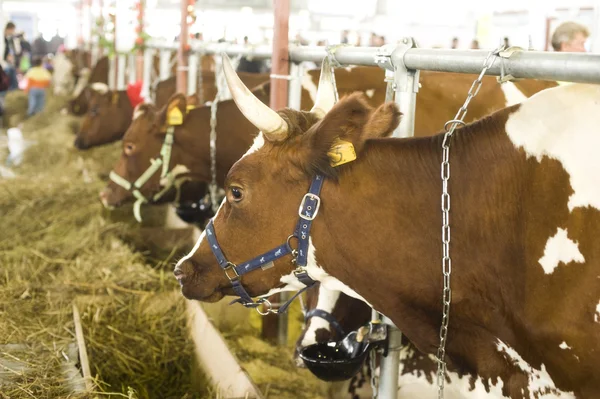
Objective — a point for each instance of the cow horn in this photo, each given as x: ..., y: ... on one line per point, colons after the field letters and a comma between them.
x: 273, y: 126
x: 326, y: 92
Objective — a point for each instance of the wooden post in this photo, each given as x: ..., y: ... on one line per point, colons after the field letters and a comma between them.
x: 139, y: 61
x: 183, y: 47
x: 114, y: 58
x: 279, y: 95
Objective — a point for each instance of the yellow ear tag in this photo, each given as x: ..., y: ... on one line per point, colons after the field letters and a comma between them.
x: 341, y: 152
x: 175, y: 117
x: 188, y: 108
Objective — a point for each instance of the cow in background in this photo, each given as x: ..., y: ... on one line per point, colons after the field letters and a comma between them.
x: 145, y: 135
x: 110, y: 112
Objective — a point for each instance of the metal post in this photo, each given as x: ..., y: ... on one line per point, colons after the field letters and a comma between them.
x: 388, y: 374
x: 406, y: 86
x: 193, y: 70
x: 164, y: 67
x: 131, y: 71
x: 182, y: 56
x: 121, y: 71
x: 112, y: 68
x: 295, y: 86
x: 279, y: 98
x: 147, y: 72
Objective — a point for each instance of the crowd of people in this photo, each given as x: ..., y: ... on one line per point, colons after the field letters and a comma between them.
x: 27, y: 66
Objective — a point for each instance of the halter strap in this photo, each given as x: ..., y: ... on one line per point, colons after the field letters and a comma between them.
x: 155, y: 164
x: 308, y: 210
x: 328, y: 317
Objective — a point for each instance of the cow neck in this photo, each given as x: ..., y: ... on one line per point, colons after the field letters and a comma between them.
x: 193, y: 141
x: 397, y: 250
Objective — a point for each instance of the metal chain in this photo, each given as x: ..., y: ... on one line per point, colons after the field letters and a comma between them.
x: 374, y: 377
x: 446, y: 260
x: 222, y: 88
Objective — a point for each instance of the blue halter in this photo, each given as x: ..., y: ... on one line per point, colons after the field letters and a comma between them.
x: 309, y: 207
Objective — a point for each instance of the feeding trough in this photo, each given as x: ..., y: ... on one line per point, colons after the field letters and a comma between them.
x: 341, y: 360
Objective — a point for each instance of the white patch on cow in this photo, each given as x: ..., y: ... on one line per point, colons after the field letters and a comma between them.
x: 84, y: 77
x: 137, y: 113
x: 99, y: 87
x: 259, y: 142
x: 562, y: 123
x: 310, y: 87
x: 193, y: 251
x: 512, y: 94
x: 564, y: 345
x: 539, y: 380
x: 414, y: 385
x: 560, y: 248
x: 370, y: 93
x: 597, y: 315
x: 326, y: 302
x: 317, y: 273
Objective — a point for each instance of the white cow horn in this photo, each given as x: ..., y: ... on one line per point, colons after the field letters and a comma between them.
x: 273, y: 126
x: 326, y: 95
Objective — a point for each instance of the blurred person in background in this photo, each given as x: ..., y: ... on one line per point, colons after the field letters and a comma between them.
x: 249, y: 64
x: 454, y: 44
x: 38, y: 80
x: 570, y: 37
x: 475, y: 44
x: 506, y: 42
x: 39, y: 47
x: 344, y: 39
x: 9, y: 56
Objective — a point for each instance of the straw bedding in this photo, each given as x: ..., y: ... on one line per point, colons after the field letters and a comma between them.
x: 58, y: 247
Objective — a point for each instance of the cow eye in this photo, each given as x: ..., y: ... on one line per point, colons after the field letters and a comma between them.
x: 236, y: 194
x: 129, y: 147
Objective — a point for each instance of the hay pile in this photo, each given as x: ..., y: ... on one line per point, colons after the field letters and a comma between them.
x: 272, y: 368
x: 57, y: 247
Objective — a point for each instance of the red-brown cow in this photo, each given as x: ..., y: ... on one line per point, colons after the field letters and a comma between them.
x: 525, y: 217
x: 437, y: 93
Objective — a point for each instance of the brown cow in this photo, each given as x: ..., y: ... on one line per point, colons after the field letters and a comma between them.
x: 110, y: 112
x: 438, y: 93
x: 79, y: 105
x: 525, y: 220
x: 108, y: 118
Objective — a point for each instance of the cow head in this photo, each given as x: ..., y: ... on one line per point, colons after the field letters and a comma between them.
x: 265, y: 187
x: 107, y: 118
x: 142, y: 143
x: 78, y: 106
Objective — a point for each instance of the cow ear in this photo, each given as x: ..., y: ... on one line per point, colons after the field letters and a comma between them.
x: 344, y: 130
x: 175, y: 112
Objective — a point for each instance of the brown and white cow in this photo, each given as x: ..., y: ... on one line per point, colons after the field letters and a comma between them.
x: 437, y: 93
x: 110, y: 112
x: 525, y: 219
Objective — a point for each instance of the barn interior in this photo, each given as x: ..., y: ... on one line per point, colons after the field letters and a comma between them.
x: 89, y: 306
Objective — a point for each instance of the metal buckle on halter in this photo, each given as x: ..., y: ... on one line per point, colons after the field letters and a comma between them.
x: 309, y: 216
x: 299, y: 270
x: 231, y: 266
x: 266, y: 302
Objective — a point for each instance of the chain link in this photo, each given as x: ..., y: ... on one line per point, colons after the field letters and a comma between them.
x: 374, y: 377
x: 450, y: 127
x: 222, y: 94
